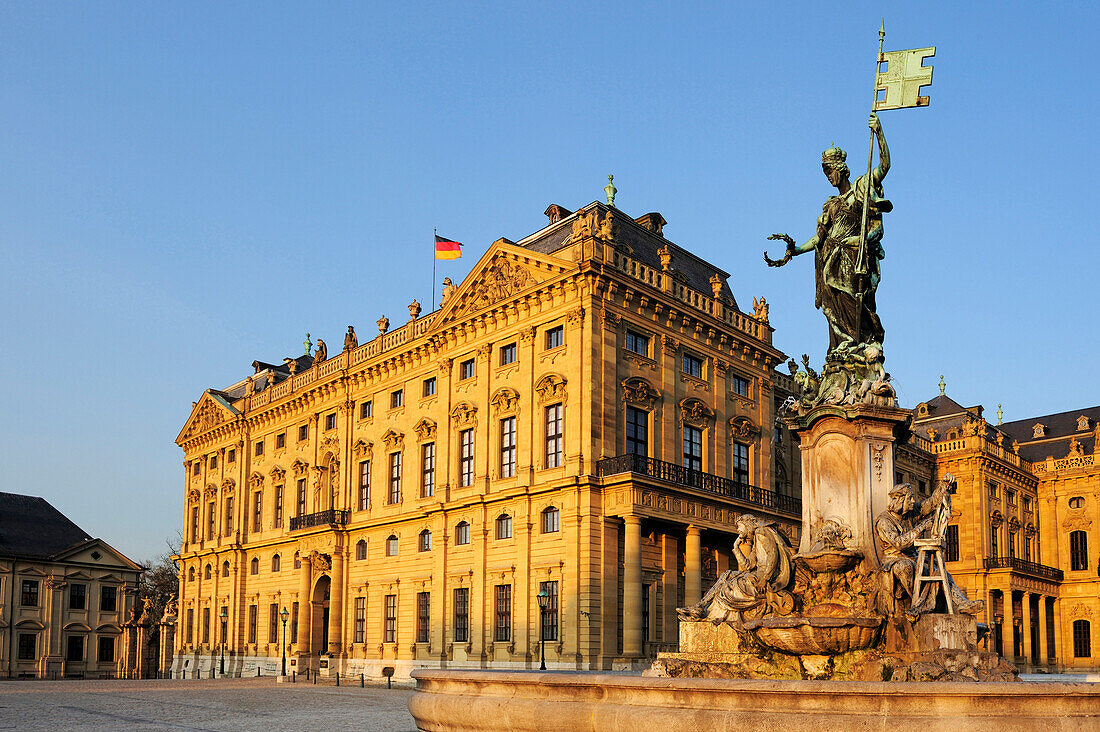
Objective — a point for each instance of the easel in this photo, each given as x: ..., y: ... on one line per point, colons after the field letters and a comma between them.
x: 930, y: 567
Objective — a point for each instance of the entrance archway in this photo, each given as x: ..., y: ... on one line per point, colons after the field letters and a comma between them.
x: 319, y: 606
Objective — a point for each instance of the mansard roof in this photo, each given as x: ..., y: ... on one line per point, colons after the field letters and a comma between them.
x: 1058, y: 431
x: 31, y: 527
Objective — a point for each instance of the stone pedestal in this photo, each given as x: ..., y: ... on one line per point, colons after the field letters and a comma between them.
x: 167, y: 646
x: 848, y: 469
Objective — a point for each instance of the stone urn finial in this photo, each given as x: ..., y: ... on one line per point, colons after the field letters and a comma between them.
x: 383, y: 325
x: 610, y: 190
x: 414, y: 310
x: 666, y: 257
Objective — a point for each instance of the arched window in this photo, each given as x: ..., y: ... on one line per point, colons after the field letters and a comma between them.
x: 1082, y: 642
x: 391, y: 546
x: 462, y: 533
x: 1078, y: 550
x: 276, y: 563
x: 1077, y: 502
x: 504, y: 526
x: 297, y: 561
x: 550, y: 522
x: 225, y: 568
x: 361, y: 549
x: 206, y: 572
x: 190, y: 574
x: 255, y: 566
x: 425, y: 541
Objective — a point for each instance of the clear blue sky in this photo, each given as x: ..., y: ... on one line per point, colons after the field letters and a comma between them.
x: 186, y: 188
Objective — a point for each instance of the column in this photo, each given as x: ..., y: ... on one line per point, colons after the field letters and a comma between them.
x: 670, y: 578
x: 305, y: 609
x: 1008, y: 632
x: 1058, y: 650
x: 1025, y: 629
x: 609, y: 585
x: 336, y: 603
x: 693, y: 570
x: 632, y: 588
x: 1044, y: 651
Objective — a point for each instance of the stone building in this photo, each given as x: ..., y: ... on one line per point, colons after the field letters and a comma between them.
x: 585, y: 415
x: 65, y: 598
x: 1028, y: 496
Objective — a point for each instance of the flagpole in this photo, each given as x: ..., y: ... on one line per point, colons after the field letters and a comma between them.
x: 861, y: 255
x: 434, y: 234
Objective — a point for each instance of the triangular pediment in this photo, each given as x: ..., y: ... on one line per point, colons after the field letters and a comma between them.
x: 209, y: 411
x: 504, y: 272
x: 99, y: 553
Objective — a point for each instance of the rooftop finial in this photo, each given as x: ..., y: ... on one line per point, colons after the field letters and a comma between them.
x: 308, y: 344
x: 609, y: 189
x: 943, y: 386
x: 1000, y: 414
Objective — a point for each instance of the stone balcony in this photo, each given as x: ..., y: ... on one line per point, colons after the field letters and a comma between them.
x: 1039, y: 571
x: 331, y: 517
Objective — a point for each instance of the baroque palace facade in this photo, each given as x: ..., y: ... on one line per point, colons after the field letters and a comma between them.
x: 584, y: 417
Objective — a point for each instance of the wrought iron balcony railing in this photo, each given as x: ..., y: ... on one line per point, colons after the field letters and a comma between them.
x: 1035, y: 570
x: 331, y: 517
x: 678, y: 474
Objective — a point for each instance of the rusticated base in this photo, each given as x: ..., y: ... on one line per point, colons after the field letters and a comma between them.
x: 469, y: 701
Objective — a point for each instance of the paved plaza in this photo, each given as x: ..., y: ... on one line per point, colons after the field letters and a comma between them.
x: 226, y: 704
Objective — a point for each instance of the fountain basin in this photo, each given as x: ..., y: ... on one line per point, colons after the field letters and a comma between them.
x: 830, y: 560
x: 816, y: 636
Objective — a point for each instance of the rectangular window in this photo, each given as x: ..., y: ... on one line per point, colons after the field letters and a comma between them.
x: 108, y: 599
x: 257, y: 510
x: 253, y: 612
x: 550, y: 614
x: 74, y: 649
x: 29, y: 593
x: 301, y: 496
x: 637, y: 343
x: 429, y: 386
x: 553, y: 436
x: 504, y: 527
x: 294, y: 623
x: 637, y: 431
x: 206, y: 625
x: 994, y: 545
x: 1027, y: 548
x: 1078, y: 550
x: 364, y: 485
x: 365, y: 410
x: 462, y: 534
x: 395, y: 477
x: 190, y: 625
x: 390, y: 634
x: 692, y: 365
x: 273, y: 623
x: 196, y: 467
x: 739, y: 385
x: 278, y: 506
x: 423, y: 617
x: 739, y: 463
x: 77, y: 596
x: 194, y: 524
x: 466, y: 369
x: 211, y: 515
x: 507, y: 447
x: 106, y: 649
x: 280, y: 441
x: 360, y: 619
x: 330, y: 422
x: 507, y: 354
x: 502, y: 628
x: 693, y: 448
x: 231, y: 456
x: 1012, y: 544
x: 1082, y: 642
x: 1027, y: 503
x: 952, y: 543
x: 27, y: 644
x: 259, y: 448
x: 303, y: 432
x: 466, y: 458
x: 427, y: 470
x: 213, y: 462
x: 397, y: 398
x: 555, y: 337
x: 1010, y: 497
x: 462, y: 614
x: 992, y: 490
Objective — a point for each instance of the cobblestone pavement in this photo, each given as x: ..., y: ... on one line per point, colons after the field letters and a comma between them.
x: 229, y: 705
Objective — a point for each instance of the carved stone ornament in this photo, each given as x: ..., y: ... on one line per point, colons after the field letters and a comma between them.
x: 1081, y: 611
x: 383, y: 324
x: 210, y: 491
x: 742, y: 428
x: 996, y: 519
x: 1082, y: 423
x: 464, y: 415
x: 1014, y: 524
x: 363, y: 448
x: 300, y: 468
x: 193, y: 495
x: 611, y: 319
x: 666, y: 257
x: 640, y: 393
x: 500, y: 280
x: 425, y: 430
x: 550, y: 388
x: 320, y: 562
x: 504, y: 401
x: 393, y: 440
x: 255, y: 480
x: 415, y: 309
x: 1038, y: 430
x: 527, y: 335
x: 1030, y: 530
x: 576, y: 316
x: 445, y: 365
x: 229, y: 485
x: 695, y: 413
x: 208, y: 417
x: 277, y: 474
x: 485, y: 352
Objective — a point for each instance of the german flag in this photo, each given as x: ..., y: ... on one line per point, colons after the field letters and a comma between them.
x: 447, y: 249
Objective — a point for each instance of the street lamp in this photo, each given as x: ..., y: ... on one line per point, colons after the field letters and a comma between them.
x: 284, y: 615
x: 544, y: 599
x: 224, y: 615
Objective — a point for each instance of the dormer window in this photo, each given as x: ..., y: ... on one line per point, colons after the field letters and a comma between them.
x: 1038, y: 430
x: 1082, y: 423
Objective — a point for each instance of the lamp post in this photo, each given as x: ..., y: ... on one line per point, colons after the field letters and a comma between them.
x: 544, y: 599
x: 284, y: 615
x: 224, y: 615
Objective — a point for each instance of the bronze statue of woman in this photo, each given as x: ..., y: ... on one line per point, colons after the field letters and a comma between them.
x: 845, y: 285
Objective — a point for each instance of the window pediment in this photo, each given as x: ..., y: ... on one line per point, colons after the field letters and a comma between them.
x: 640, y: 393
x: 695, y: 413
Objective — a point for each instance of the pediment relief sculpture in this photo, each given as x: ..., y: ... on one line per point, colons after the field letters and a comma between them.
x: 320, y: 562
x: 277, y: 474
x: 229, y: 485
x: 210, y: 491
x: 996, y: 518
x: 1030, y: 530
x: 505, y: 400
x: 393, y: 440
x: 550, y: 388
x: 299, y: 468
x: 363, y: 448
x: 695, y: 413
x: 1077, y: 520
x: 464, y: 415
x: 640, y: 393
x: 1080, y: 611
x: 1014, y: 524
x: 208, y: 416
x: 743, y: 428
x: 425, y: 430
x: 193, y: 495
x: 255, y: 480
x: 502, y: 279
